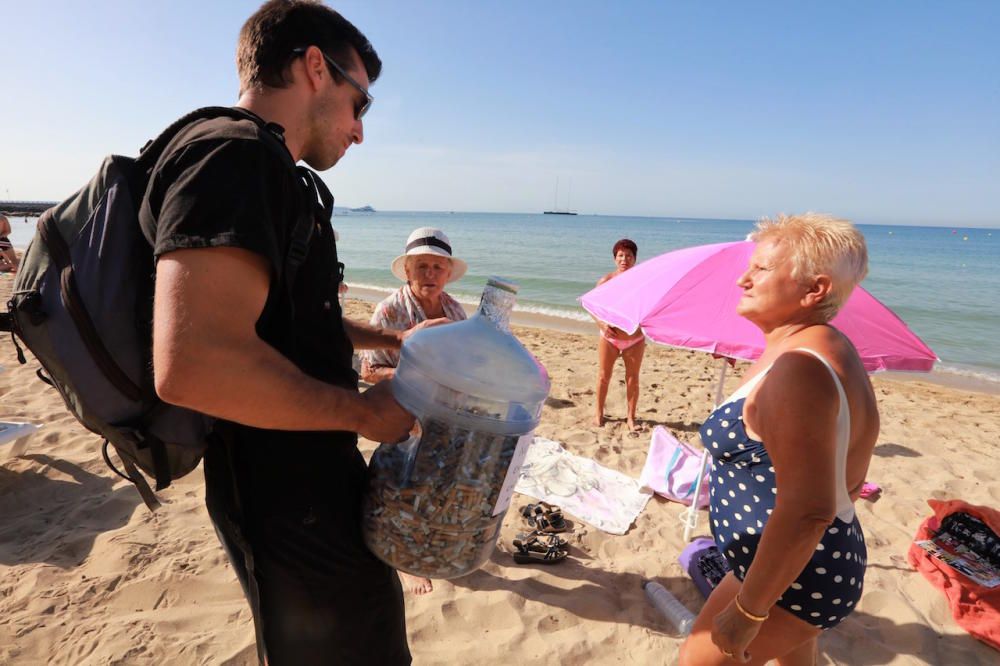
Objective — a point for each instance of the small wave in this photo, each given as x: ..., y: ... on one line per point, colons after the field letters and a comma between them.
x: 971, y: 373
x: 549, y: 311
x: 371, y: 287
x: 577, y: 314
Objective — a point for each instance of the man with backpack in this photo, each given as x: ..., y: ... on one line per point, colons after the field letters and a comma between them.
x: 269, y: 359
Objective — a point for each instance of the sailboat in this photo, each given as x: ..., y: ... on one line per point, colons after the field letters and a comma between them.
x: 555, y: 208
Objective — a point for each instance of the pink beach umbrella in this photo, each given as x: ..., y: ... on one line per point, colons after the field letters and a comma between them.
x: 687, y: 298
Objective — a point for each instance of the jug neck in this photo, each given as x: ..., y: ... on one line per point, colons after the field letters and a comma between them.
x: 497, y: 302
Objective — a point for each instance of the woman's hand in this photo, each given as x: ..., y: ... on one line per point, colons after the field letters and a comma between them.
x: 732, y: 632
x: 615, y: 333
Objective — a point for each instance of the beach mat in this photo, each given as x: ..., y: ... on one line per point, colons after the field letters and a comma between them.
x: 602, y: 497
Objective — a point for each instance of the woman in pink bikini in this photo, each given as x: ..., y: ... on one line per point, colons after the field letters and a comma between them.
x: 615, y: 342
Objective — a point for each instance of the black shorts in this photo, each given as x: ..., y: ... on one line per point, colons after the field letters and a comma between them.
x: 323, y: 597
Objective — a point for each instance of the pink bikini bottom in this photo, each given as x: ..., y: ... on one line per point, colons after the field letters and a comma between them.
x: 622, y: 345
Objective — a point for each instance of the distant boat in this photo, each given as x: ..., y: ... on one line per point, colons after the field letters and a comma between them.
x: 363, y: 210
x: 555, y: 209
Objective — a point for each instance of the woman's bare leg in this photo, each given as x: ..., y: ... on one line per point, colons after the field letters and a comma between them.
x: 633, y: 362
x: 803, y: 655
x: 783, y: 636
x: 606, y: 355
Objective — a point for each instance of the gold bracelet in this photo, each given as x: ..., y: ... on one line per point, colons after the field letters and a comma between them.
x: 748, y: 614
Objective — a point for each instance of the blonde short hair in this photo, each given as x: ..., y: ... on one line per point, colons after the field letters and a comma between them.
x: 820, y: 244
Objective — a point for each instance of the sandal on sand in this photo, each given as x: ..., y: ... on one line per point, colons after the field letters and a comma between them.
x: 544, y: 517
x: 545, y: 538
x: 534, y: 551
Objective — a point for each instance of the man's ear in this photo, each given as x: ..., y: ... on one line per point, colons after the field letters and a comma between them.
x: 819, y: 291
x: 313, y: 67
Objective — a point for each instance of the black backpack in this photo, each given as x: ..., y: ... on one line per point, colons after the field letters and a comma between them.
x: 82, y: 303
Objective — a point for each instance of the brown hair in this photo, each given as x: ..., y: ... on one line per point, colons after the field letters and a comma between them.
x: 625, y: 244
x: 267, y: 39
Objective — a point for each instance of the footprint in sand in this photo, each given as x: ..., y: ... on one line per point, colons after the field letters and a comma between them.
x: 549, y: 624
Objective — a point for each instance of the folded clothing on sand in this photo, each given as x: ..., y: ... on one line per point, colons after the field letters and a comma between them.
x: 975, y: 607
x: 606, y: 499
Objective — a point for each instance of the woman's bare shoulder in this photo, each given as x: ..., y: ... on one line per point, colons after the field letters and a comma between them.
x: 606, y: 278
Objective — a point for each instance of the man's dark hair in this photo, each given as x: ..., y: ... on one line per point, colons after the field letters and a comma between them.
x: 267, y: 39
x: 625, y: 244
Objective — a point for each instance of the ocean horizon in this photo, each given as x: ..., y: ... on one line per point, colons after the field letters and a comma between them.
x: 940, y: 280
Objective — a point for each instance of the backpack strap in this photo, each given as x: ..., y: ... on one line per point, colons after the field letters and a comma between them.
x: 154, y: 148
x: 132, y: 475
x: 317, y: 195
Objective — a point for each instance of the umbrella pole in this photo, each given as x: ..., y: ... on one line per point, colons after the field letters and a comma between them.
x: 690, y: 515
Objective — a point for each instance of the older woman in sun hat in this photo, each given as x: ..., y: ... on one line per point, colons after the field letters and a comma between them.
x: 425, y: 267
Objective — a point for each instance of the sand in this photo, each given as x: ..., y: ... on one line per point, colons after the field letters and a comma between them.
x: 89, y: 576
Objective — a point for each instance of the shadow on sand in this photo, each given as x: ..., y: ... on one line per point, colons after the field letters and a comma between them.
x: 54, y: 520
x: 601, y: 595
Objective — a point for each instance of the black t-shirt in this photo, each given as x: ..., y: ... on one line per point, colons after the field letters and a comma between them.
x: 222, y: 182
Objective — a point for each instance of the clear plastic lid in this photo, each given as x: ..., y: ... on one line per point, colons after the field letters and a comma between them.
x: 472, y: 372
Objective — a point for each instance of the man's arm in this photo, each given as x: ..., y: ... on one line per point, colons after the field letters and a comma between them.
x: 366, y: 336
x: 207, y: 355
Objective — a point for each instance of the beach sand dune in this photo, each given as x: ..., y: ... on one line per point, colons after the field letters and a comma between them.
x: 89, y: 576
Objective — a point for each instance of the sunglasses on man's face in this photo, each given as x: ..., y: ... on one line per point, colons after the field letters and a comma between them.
x: 361, y: 107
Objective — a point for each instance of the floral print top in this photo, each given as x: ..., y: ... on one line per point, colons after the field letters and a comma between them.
x: 401, y: 311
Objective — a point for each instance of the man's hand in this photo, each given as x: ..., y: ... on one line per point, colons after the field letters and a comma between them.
x: 382, y: 419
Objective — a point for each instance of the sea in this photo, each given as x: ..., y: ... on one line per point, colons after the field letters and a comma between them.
x: 944, y: 282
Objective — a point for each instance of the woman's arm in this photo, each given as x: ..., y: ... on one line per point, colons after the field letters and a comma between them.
x: 605, y: 328
x: 795, y: 412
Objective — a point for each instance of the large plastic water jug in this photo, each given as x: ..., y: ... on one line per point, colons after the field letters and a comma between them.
x: 435, y: 502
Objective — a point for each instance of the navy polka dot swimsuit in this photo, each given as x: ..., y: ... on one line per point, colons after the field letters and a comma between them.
x: 743, y: 492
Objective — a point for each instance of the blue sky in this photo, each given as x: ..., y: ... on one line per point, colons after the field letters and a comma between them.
x: 883, y: 112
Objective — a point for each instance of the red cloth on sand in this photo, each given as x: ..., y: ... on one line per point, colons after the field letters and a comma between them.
x: 974, y: 607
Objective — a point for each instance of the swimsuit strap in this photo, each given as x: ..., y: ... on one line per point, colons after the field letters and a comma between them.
x: 845, y: 507
x: 744, y: 390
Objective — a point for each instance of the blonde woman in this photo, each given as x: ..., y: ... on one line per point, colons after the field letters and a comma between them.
x: 791, y: 448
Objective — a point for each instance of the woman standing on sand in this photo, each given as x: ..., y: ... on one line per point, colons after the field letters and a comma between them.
x: 8, y: 258
x: 615, y: 342
x: 790, y: 451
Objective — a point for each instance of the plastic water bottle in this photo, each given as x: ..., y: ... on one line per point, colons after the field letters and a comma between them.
x: 435, y: 503
x: 676, y: 613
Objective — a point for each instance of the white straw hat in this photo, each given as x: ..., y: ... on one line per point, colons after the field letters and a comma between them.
x: 428, y: 240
